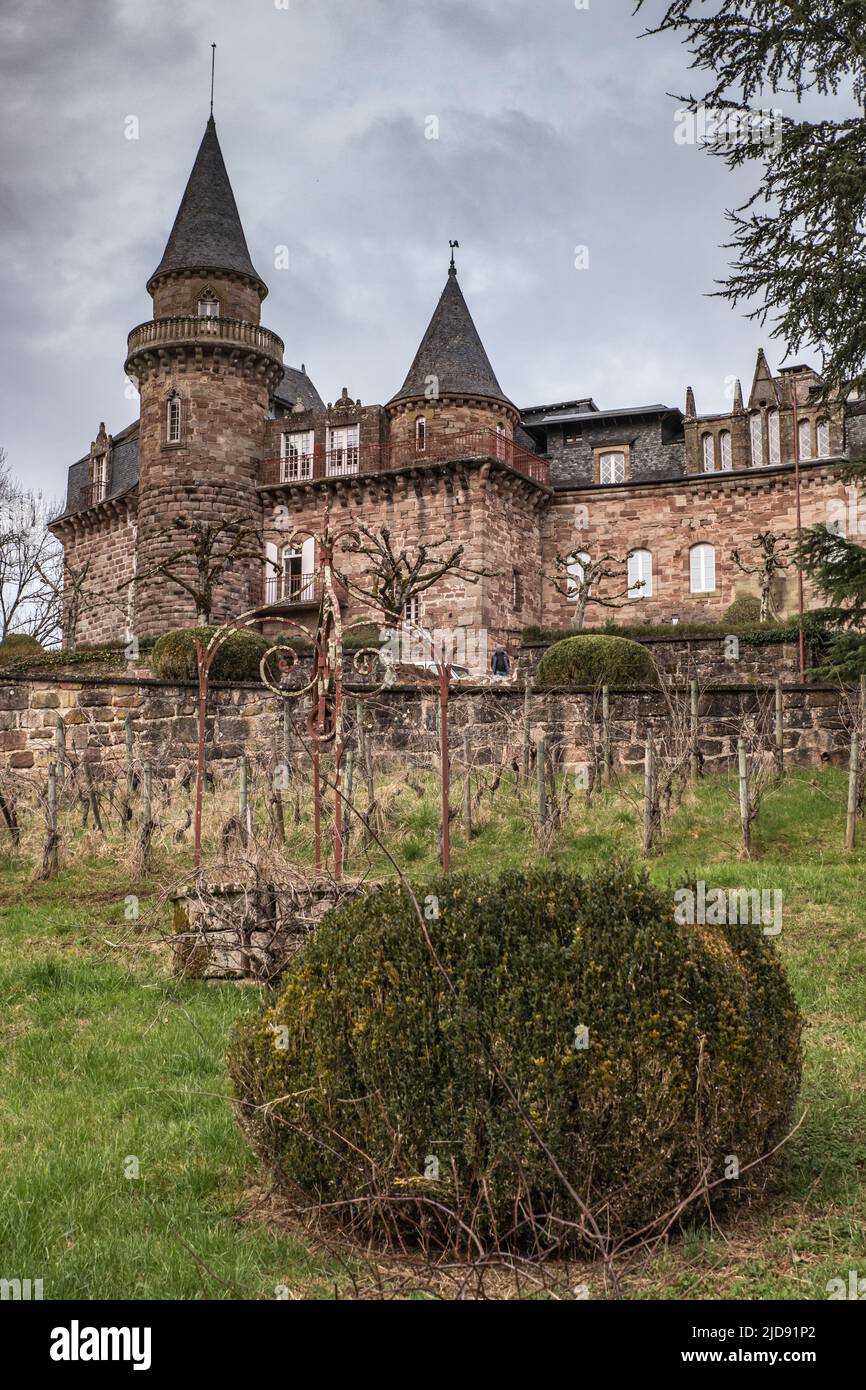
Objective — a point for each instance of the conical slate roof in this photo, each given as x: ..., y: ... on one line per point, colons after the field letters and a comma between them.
x: 207, y: 232
x: 451, y: 351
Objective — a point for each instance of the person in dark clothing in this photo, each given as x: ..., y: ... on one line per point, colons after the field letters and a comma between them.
x: 500, y: 665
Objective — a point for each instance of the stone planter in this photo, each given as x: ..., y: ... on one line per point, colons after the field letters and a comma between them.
x: 236, y: 931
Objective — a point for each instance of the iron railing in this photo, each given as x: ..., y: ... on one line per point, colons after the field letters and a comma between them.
x: 91, y: 494
x: 288, y: 590
x: 385, y: 458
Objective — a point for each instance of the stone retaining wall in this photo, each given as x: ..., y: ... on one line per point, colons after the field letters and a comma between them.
x: 247, y: 720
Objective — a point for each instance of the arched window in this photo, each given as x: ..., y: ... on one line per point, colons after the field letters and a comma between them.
x: 756, y: 430
x: 640, y: 574
x: 420, y: 434
x: 208, y: 305
x: 805, y: 438
x: 576, y: 569
x: 725, y: 450
x: 823, y: 433
x: 172, y: 419
x: 773, y: 442
x: 702, y: 569
x: 708, y: 445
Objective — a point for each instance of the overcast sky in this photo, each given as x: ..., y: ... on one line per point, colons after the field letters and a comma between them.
x: 554, y: 132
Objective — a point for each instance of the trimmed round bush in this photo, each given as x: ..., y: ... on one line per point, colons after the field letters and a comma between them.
x: 173, y: 656
x: 744, y: 609
x: 596, y: 659
x: 639, y: 1051
x: 19, y: 645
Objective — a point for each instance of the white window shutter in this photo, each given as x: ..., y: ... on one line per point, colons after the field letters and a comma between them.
x: 272, y: 560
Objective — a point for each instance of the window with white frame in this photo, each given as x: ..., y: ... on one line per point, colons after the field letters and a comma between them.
x: 420, y: 434
x: 709, y: 452
x: 208, y: 305
x: 297, y: 456
x: 611, y: 467
x: 575, y: 570
x: 298, y: 577
x: 773, y: 442
x: 702, y: 569
x: 516, y: 590
x: 411, y: 611
x: 99, y: 476
x: 756, y: 431
x: 804, y: 436
x: 172, y: 420
x: 342, y: 450
x: 640, y: 574
x: 725, y: 450
x: 823, y: 435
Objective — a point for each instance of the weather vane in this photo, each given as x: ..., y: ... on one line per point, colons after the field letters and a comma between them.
x: 212, y: 66
x: 455, y: 245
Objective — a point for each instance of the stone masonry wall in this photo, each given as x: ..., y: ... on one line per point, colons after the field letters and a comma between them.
x: 247, y: 720
x: 106, y: 546
x: 723, y: 510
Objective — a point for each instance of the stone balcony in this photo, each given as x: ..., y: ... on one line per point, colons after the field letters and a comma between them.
x: 156, y: 343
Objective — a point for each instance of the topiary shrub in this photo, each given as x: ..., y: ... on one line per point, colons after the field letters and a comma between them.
x: 373, y: 1085
x: 744, y: 609
x: 595, y: 659
x: 173, y: 657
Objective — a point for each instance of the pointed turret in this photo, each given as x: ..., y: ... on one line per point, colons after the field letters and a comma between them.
x: 451, y: 360
x: 764, y: 390
x: 738, y: 396
x: 690, y: 404
x: 207, y: 238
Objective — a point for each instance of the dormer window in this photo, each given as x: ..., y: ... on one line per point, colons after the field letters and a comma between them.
x: 208, y: 305
x: 99, y: 477
x: 420, y: 435
x: 172, y: 420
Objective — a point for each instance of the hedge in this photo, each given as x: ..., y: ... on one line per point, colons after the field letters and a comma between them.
x: 588, y: 659
x: 378, y: 1090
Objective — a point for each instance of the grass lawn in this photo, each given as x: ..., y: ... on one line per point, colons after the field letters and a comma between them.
x: 106, y: 1060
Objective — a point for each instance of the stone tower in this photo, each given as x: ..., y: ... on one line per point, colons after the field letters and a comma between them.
x: 451, y: 387
x: 205, y: 368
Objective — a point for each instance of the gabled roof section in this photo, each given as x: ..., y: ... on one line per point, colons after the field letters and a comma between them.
x: 452, y: 352
x: 207, y: 234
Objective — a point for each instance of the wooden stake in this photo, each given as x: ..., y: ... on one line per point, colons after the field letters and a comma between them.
x: 130, y: 772
x: 695, y: 763
x: 467, y: 785
x: 605, y: 735
x: 526, y: 716
x: 648, y: 795
x: 780, y: 731
x: 743, y: 775
x: 60, y: 750
x: 853, y: 777
x: 541, y: 779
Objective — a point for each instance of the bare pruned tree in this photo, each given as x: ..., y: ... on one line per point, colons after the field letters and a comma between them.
x: 205, y: 551
x: 27, y: 548
x: 580, y: 577
x: 394, y: 576
x: 772, y: 553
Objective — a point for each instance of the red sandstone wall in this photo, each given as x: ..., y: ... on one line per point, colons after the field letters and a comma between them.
x: 668, y: 520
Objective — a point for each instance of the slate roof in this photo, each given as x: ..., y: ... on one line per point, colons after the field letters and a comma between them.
x: 297, y: 389
x: 452, y: 351
x: 207, y: 234
x: 124, y: 470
